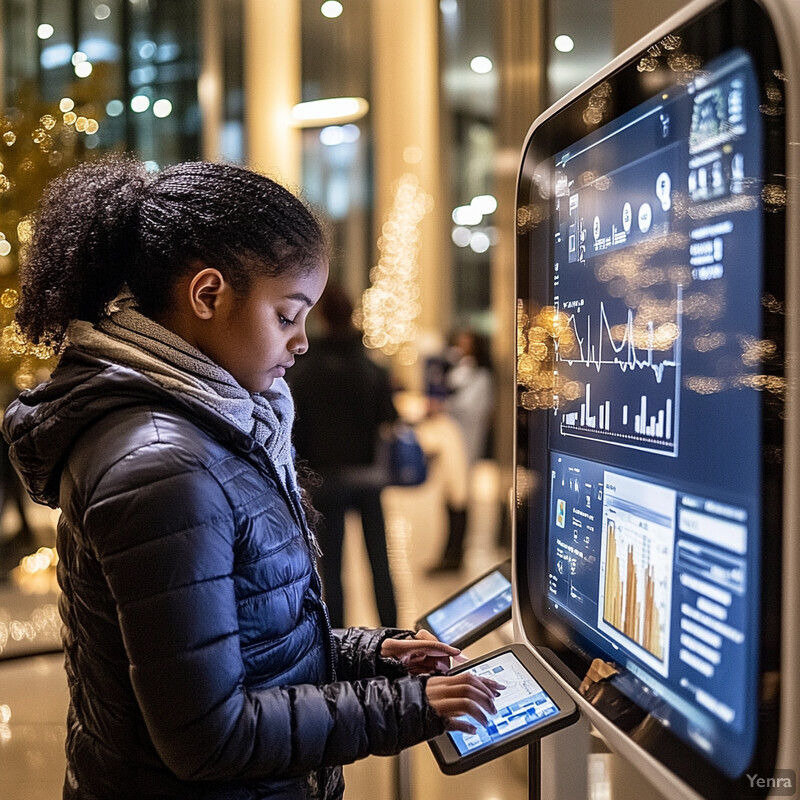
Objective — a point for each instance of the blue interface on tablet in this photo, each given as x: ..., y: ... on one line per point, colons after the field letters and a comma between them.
x: 486, y: 599
x: 522, y: 704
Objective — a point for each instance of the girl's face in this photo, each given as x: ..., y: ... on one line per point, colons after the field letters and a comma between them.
x: 259, y: 335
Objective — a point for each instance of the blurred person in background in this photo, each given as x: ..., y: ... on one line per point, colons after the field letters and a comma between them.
x: 201, y: 662
x: 22, y: 541
x: 460, y: 387
x: 470, y: 390
x: 343, y: 399
x: 16, y: 540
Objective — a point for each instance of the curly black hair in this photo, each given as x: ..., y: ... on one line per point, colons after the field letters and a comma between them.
x: 109, y: 224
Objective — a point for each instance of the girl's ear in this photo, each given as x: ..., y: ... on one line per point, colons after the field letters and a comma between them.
x: 205, y: 290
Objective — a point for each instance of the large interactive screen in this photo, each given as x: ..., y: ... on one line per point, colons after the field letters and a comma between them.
x: 650, y: 390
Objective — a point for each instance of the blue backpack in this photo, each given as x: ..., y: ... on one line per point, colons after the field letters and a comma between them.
x: 407, y: 463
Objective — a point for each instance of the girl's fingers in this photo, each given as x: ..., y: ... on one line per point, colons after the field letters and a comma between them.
x: 463, y: 725
x: 459, y: 695
x: 456, y: 707
x: 494, y: 685
x: 425, y: 652
x: 427, y: 636
x: 427, y: 648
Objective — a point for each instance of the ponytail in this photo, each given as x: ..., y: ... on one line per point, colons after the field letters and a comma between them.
x: 84, y: 238
x: 109, y: 224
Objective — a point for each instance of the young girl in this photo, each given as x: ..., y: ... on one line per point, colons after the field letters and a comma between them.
x: 200, y: 659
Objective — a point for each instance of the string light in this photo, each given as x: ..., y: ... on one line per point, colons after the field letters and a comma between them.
x: 390, y: 307
x: 44, y: 625
x: 539, y: 337
x: 35, y: 146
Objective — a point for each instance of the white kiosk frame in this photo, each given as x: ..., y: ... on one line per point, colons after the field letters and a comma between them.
x: 561, y: 776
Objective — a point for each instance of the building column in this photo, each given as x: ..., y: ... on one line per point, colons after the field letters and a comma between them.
x: 522, y: 97
x: 632, y: 19
x: 272, y: 85
x: 405, y: 123
x: 210, y: 82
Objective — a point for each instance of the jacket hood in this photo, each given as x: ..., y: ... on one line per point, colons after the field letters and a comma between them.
x: 42, y: 424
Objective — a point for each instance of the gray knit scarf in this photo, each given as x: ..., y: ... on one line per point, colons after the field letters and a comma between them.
x: 131, y: 339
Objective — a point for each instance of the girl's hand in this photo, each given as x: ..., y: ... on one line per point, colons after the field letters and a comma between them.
x: 465, y: 694
x: 422, y: 654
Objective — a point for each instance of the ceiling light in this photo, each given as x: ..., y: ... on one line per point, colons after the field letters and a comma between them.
x: 461, y: 236
x: 330, y: 111
x: 114, y: 108
x: 140, y: 103
x: 485, y: 203
x: 331, y: 135
x: 481, y: 65
x: 564, y: 43
x: 331, y: 9
x: 479, y: 242
x: 45, y: 30
x: 467, y: 215
x: 162, y: 108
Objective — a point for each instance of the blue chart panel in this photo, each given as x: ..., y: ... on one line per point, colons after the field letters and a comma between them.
x: 631, y: 378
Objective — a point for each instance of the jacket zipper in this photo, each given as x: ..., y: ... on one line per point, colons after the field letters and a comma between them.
x: 314, y: 551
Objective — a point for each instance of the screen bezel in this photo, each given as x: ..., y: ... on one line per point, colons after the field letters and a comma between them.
x: 452, y: 762
x: 478, y: 632
x: 712, y: 32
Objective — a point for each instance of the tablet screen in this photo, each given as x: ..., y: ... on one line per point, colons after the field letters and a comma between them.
x: 521, y: 705
x: 484, y: 600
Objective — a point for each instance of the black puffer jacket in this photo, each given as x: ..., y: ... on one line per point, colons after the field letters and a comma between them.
x: 337, y: 426
x: 198, y: 653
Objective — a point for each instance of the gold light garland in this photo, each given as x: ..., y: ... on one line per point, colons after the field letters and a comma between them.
x: 390, y: 306
x: 35, y: 148
x: 539, y: 337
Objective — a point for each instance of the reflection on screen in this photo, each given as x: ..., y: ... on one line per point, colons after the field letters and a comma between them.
x: 489, y: 597
x: 522, y: 704
x: 654, y: 484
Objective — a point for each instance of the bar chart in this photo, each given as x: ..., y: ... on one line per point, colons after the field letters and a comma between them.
x: 635, y: 590
x: 630, y: 595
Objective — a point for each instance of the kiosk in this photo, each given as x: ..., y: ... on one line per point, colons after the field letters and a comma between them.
x: 656, y: 558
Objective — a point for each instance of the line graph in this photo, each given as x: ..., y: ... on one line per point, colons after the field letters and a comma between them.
x: 631, y: 376
x: 627, y: 346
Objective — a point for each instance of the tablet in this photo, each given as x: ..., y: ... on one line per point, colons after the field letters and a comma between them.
x: 532, y: 705
x: 473, y: 611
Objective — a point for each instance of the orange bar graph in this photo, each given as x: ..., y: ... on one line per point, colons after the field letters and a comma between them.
x: 639, y: 620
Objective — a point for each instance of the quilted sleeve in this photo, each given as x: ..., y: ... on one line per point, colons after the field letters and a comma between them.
x: 359, y: 652
x: 166, y: 545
